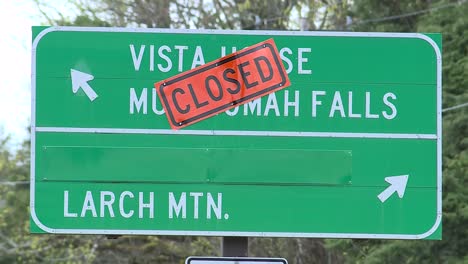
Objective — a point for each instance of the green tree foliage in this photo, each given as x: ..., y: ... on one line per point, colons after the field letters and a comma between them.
x: 214, y: 14
x: 448, y: 18
x: 295, y: 250
x: 153, y: 249
x: 372, y: 15
x: 16, y: 244
x: 9, y: 198
x: 453, y: 23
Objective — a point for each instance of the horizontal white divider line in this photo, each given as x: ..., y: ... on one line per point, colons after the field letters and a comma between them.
x: 233, y: 133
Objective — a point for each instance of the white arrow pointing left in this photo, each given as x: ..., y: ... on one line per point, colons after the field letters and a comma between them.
x: 397, y: 184
x: 80, y: 80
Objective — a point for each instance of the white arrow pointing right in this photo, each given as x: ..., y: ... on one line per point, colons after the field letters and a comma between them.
x: 397, y: 184
x: 80, y: 80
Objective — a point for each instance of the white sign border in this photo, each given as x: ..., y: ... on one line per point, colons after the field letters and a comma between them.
x: 438, y: 137
x: 239, y: 260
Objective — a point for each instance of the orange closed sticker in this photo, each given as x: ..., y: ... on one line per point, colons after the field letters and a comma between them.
x: 222, y: 84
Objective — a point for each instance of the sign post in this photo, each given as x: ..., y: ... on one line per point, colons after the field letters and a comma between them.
x: 351, y: 149
x: 235, y: 246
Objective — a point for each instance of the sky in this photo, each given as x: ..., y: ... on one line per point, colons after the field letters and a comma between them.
x: 16, y: 19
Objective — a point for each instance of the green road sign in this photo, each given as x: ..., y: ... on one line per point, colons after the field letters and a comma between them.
x: 351, y: 149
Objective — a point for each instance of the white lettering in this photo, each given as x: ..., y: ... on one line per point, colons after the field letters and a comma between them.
x: 252, y: 105
x: 121, y: 204
x: 350, y: 107
x: 271, y: 104
x: 316, y: 102
x: 137, y: 61
x: 138, y: 102
x: 181, y: 55
x: 295, y: 103
x: 389, y: 104
x: 368, y: 113
x: 66, y: 212
x: 286, y: 59
x: 337, y: 105
x: 88, y: 205
x: 149, y: 205
x: 301, y: 60
x: 211, y: 206
x: 107, y: 203
x: 223, y: 50
x: 195, y: 196
x: 232, y: 111
x: 154, y: 104
x: 177, y: 206
x: 151, y: 57
x: 198, y: 57
x: 164, y: 57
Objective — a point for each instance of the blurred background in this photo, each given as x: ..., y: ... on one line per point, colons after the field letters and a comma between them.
x: 17, y: 16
